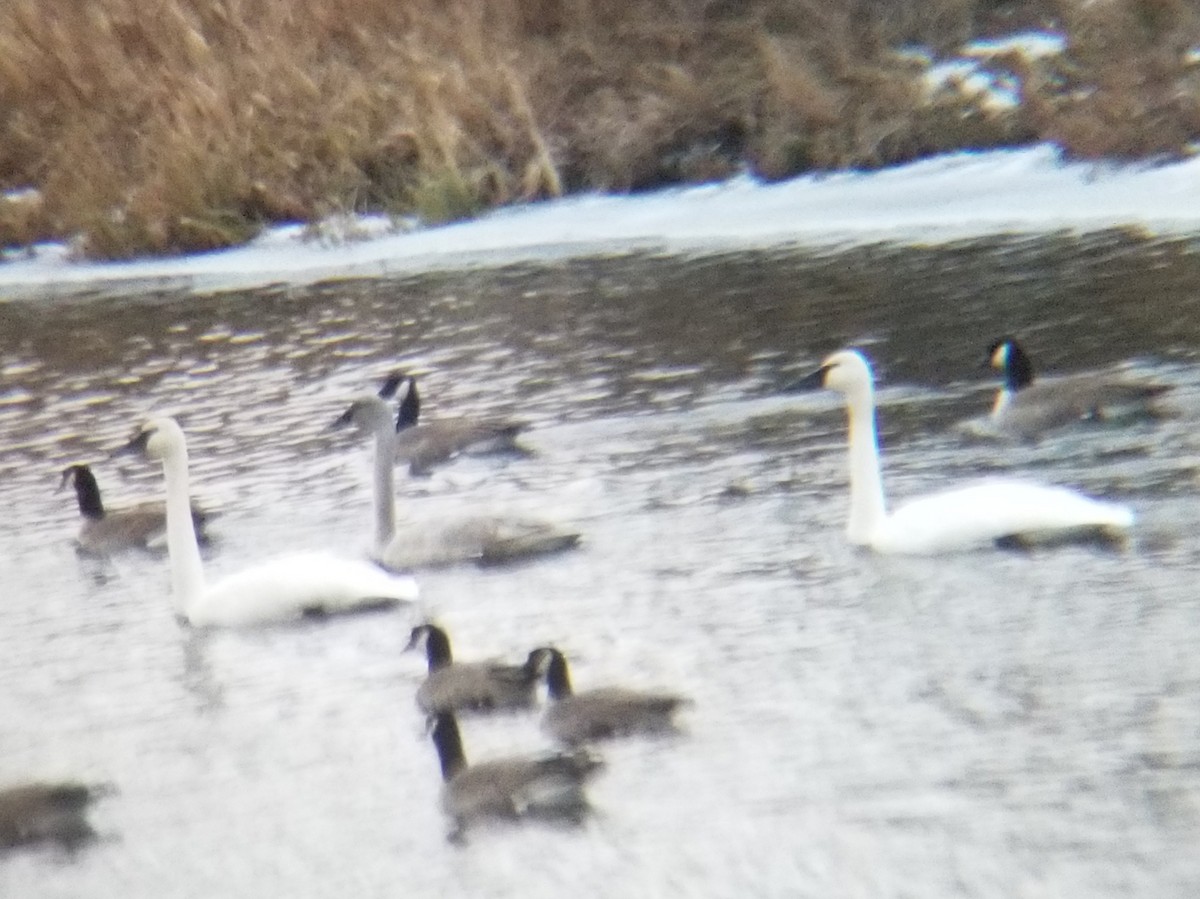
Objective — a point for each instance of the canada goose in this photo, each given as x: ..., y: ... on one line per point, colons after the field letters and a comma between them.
x: 469, y: 686
x: 1025, y: 408
x: 287, y: 587
x: 603, y: 712
x: 424, y: 444
x: 991, y: 511
x: 105, y: 531
x: 547, y: 787
x: 484, y: 539
x: 45, y: 813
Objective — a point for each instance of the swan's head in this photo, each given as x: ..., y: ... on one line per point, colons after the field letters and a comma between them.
x: 367, y: 414
x: 846, y: 371
x: 156, y: 439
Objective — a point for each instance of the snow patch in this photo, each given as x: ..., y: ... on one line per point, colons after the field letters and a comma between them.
x: 947, y: 198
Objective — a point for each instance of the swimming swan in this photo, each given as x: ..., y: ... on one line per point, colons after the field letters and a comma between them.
x: 484, y: 539
x: 548, y: 787
x: 470, y: 686
x: 285, y: 588
x: 603, y: 712
x: 104, y: 531
x: 424, y: 444
x: 1025, y: 408
x: 46, y: 813
x: 984, y: 513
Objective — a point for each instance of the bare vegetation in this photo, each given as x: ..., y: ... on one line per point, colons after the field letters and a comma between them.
x: 152, y: 126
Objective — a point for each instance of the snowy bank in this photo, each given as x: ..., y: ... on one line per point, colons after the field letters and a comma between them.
x: 948, y: 198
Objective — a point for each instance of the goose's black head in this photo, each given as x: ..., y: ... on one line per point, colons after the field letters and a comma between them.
x: 1007, y: 356
x: 410, y: 404
x: 437, y: 645
x: 552, y: 664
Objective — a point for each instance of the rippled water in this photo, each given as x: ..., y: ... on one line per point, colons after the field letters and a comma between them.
x: 983, y: 725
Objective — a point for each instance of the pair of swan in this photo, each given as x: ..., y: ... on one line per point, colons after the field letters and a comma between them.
x: 485, y: 539
x: 285, y: 588
x: 424, y: 444
x: 548, y: 787
x: 571, y: 718
x: 104, y: 531
x: 989, y: 512
x: 1025, y: 408
x: 46, y: 813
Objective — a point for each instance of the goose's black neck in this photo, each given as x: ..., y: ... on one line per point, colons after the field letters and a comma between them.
x: 448, y: 742
x: 1018, y: 368
x: 87, y: 491
x: 558, y: 676
x: 410, y: 407
x: 437, y: 647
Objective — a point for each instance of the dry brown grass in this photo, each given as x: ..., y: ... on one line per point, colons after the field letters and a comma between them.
x: 168, y: 125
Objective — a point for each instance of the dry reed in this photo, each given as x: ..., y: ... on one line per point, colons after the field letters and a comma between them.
x: 157, y: 126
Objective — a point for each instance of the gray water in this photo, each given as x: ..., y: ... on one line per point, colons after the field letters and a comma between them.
x: 990, y: 724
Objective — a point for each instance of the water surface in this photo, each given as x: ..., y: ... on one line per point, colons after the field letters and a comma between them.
x: 993, y: 724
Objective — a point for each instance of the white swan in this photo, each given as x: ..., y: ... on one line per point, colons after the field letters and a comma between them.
x: 281, y: 589
x: 980, y: 514
x: 485, y: 539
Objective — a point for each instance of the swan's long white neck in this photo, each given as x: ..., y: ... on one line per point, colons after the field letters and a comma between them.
x: 187, y: 571
x: 867, y: 507
x: 385, y: 488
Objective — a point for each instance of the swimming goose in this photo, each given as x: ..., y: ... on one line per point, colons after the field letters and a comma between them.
x: 469, y: 686
x: 548, y: 787
x: 1025, y: 408
x: 991, y: 511
x: 280, y: 589
x: 45, y: 813
x: 603, y: 712
x: 484, y: 539
x: 424, y: 444
x: 105, y: 531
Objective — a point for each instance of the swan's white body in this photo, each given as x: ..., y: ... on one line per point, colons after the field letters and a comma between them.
x: 424, y: 543
x: 281, y: 589
x: 976, y: 515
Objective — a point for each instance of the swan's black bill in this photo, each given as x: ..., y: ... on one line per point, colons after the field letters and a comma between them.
x: 135, y: 447
x: 342, y: 421
x: 813, y: 381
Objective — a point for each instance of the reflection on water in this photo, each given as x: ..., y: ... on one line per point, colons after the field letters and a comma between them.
x: 985, y: 725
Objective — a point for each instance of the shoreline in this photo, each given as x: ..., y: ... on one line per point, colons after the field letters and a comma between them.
x: 948, y: 198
